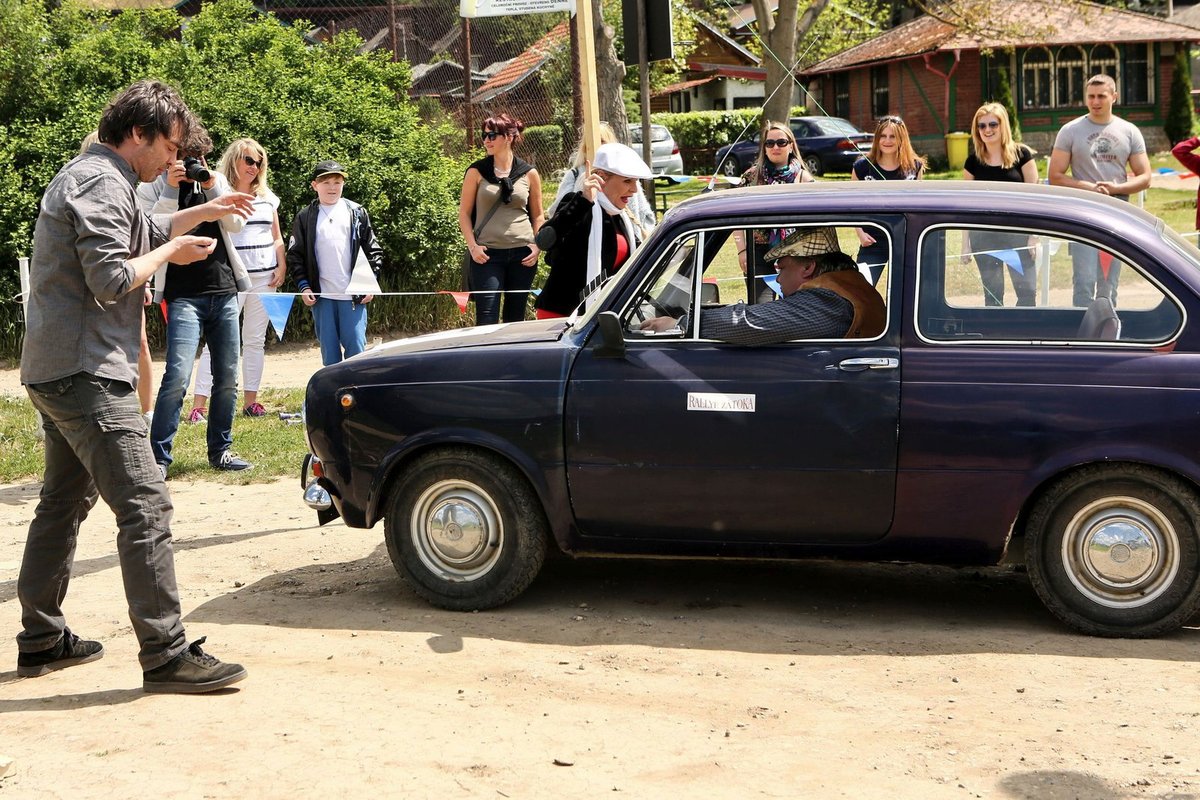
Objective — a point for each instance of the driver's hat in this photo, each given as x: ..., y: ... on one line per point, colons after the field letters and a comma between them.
x: 805, y: 243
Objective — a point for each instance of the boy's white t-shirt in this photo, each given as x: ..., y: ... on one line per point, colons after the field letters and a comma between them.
x: 332, y: 248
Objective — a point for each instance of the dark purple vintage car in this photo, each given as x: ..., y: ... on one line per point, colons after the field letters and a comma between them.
x: 1035, y: 394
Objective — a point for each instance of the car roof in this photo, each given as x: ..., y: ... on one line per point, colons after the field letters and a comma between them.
x: 883, y: 197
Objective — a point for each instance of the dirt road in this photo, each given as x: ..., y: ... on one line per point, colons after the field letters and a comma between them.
x: 608, y: 678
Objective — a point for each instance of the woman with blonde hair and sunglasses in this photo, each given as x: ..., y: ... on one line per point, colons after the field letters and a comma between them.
x: 996, y: 157
x: 778, y: 161
x: 892, y: 158
x: 260, y: 246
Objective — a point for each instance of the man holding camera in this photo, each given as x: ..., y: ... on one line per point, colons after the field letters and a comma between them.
x: 201, y: 300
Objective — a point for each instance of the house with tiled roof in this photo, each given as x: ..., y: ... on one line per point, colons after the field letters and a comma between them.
x: 721, y: 74
x: 516, y: 87
x: 935, y: 75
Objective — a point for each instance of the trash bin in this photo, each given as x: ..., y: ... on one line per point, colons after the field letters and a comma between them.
x: 956, y: 149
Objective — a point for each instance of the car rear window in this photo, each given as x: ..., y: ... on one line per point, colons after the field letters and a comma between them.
x: 985, y: 283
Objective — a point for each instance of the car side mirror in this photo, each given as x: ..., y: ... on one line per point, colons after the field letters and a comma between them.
x: 611, y: 342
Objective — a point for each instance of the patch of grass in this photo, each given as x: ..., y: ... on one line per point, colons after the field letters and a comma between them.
x: 273, y: 446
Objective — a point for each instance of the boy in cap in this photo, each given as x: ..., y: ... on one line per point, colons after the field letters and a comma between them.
x: 824, y: 297
x: 326, y: 238
x: 592, y: 233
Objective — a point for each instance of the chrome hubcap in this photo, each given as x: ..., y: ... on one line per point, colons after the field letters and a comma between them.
x: 456, y: 530
x: 1121, y: 552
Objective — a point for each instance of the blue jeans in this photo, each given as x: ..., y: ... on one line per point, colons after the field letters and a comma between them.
x: 1088, y: 279
x: 502, y: 270
x: 341, y: 326
x: 216, y: 318
x: 96, y: 446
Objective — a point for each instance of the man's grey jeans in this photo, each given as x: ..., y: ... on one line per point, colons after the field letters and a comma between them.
x: 96, y: 444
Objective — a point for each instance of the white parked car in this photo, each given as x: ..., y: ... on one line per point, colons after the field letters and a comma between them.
x: 664, y: 153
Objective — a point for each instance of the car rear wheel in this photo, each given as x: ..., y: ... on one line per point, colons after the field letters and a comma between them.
x: 465, y: 529
x: 730, y: 167
x: 813, y: 162
x: 1112, y: 551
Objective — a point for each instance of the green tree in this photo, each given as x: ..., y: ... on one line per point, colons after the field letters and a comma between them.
x: 1004, y: 97
x: 1181, y: 118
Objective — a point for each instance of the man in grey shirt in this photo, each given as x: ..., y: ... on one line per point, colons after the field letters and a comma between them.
x: 1096, y: 148
x: 92, y: 252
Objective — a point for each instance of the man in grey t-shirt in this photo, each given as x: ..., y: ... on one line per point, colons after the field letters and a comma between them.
x: 1100, y: 149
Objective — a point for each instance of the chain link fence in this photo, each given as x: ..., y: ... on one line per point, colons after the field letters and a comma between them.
x: 464, y: 71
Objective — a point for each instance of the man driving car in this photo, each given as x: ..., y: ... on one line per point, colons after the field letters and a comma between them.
x: 824, y: 297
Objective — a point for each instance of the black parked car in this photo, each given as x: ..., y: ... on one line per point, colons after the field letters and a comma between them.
x: 968, y: 426
x: 827, y: 144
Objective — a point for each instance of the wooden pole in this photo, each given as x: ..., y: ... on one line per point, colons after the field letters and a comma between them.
x: 468, y: 85
x: 587, y: 78
x: 644, y: 92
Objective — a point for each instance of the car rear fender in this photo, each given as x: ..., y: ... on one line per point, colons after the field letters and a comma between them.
x: 546, y: 481
x: 1053, y: 470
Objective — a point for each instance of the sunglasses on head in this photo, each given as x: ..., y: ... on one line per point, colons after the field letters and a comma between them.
x: 778, y: 142
x: 490, y: 135
x: 987, y: 126
x: 893, y: 119
x: 250, y: 162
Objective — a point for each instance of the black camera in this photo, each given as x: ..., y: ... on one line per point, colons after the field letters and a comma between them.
x: 195, y: 170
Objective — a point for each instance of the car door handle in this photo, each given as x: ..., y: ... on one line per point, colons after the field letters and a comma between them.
x: 859, y: 364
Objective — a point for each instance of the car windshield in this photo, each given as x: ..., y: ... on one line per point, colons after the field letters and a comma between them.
x: 834, y: 126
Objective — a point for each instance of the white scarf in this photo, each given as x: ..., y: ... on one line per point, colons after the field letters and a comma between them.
x: 605, y: 206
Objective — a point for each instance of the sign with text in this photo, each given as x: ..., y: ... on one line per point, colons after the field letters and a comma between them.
x: 509, y: 8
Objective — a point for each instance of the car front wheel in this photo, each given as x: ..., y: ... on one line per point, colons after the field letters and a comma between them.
x: 1113, y: 551
x: 730, y: 167
x: 813, y: 162
x: 465, y: 529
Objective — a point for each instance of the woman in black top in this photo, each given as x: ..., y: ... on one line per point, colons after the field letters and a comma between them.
x: 997, y: 157
x: 892, y: 158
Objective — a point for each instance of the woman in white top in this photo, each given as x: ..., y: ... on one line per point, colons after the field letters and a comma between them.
x: 260, y: 246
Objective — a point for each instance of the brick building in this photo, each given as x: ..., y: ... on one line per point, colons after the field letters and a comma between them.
x: 935, y: 76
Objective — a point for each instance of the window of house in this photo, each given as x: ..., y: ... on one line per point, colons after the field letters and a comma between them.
x: 984, y: 284
x: 1070, y: 75
x: 841, y: 95
x: 1104, y: 61
x: 1137, y: 85
x: 879, y: 91
x: 1036, y: 86
x: 996, y: 64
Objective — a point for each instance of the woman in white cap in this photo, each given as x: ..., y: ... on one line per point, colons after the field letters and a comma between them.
x: 591, y: 234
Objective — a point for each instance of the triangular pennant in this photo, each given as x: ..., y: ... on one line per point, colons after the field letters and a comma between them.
x: 278, y: 307
x: 163, y: 305
x: 362, y: 279
x: 1010, y: 258
x: 1106, y: 260
x: 462, y: 298
x: 773, y: 282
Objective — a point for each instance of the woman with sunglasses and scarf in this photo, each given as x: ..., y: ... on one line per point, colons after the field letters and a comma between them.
x: 778, y: 162
x: 499, y: 214
x: 892, y: 158
x: 260, y: 246
x: 997, y: 157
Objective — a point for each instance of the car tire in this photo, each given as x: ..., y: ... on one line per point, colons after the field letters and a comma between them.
x: 1112, y: 551
x: 813, y: 162
x: 730, y: 167
x: 465, y: 529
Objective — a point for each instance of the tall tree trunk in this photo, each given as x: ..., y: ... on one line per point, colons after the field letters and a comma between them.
x: 610, y: 72
x: 781, y: 32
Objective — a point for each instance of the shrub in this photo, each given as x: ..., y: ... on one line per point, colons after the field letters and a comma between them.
x: 1180, y: 116
x: 245, y: 74
x: 700, y: 134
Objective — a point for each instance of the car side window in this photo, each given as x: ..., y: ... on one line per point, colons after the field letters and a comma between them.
x: 800, y: 130
x: 996, y: 283
x: 734, y: 270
